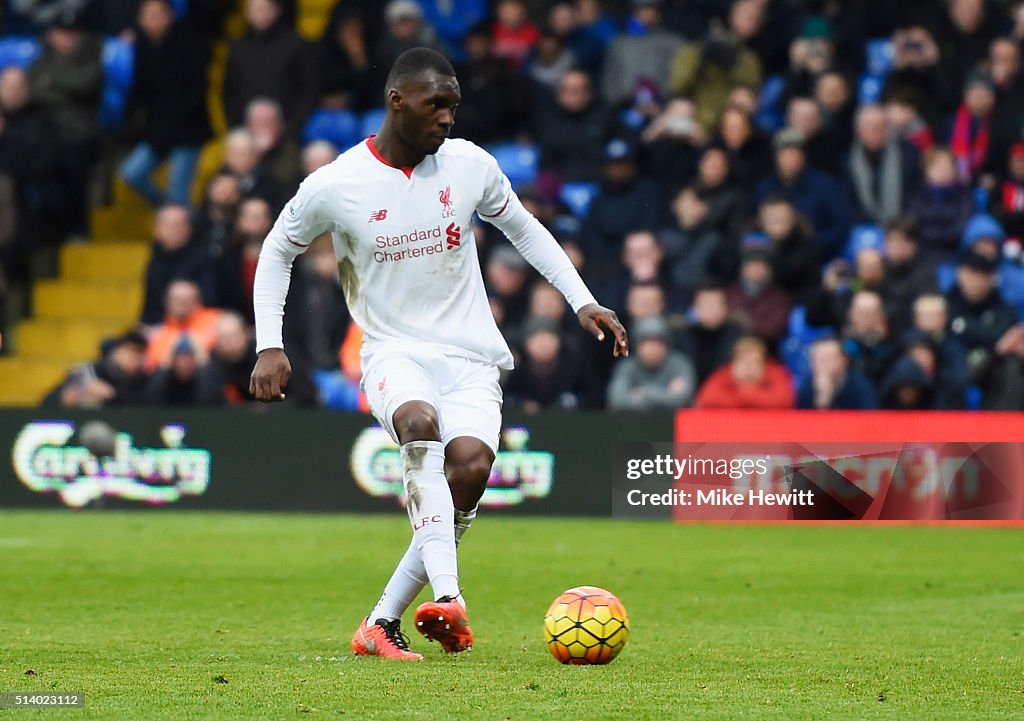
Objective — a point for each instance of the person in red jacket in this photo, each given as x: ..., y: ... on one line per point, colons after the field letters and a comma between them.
x: 750, y: 380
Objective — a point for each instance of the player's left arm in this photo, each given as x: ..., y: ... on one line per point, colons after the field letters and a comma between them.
x: 543, y: 252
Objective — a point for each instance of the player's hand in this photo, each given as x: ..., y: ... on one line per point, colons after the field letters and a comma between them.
x: 270, y: 376
x: 597, y: 319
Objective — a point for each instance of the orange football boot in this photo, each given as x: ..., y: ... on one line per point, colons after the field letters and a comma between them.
x: 445, y: 621
x: 383, y: 638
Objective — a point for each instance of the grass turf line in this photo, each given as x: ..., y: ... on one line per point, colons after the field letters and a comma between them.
x: 186, y: 616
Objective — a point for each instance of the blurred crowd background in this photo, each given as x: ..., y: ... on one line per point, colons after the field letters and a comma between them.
x: 796, y: 203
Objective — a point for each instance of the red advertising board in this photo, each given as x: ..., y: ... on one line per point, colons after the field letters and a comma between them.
x: 834, y: 465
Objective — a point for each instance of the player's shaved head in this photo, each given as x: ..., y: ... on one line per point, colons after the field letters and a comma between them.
x: 413, y: 64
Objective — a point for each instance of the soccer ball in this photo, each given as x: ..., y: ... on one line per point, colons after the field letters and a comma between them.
x: 586, y: 625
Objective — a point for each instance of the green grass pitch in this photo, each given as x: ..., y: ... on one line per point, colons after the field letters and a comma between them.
x: 168, y: 615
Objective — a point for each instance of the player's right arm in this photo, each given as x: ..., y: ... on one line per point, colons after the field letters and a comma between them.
x: 298, y: 225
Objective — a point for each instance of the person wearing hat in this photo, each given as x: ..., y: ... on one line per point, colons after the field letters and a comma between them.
x: 176, y: 382
x: 987, y: 327
x: 67, y: 80
x: 404, y: 28
x: 656, y: 377
x: 755, y: 301
x: 815, y: 194
x: 626, y: 201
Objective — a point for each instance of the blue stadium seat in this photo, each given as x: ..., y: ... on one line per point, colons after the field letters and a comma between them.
x: 878, y: 56
x: 341, y: 127
x: 945, y: 276
x: 372, y: 120
x: 793, y: 351
x: 112, y: 108
x: 578, y: 195
x: 180, y: 8
x: 861, y: 237
x: 118, y: 63
x: 869, y: 89
x: 19, y: 51
x: 769, y: 117
x: 519, y: 162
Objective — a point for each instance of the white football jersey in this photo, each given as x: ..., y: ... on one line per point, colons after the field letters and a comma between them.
x: 404, y: 242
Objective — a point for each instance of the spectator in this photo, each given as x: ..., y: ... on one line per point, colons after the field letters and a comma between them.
x: 941, y: 207
x: 405, y: 29
x: 795, y: 258
x: 748, y: 150
x: 494, y: 98
x: 867, y: 341
x: 976, y: 136
x: 316, y: 155
x: 570, y: 130
x: 175, y: 256
x: 515, y: 36
x: 811, y: 55
x: 454, y: 19
x: 269, y: 61
x: 834, y: 97
x: 175, y: 382
x: 233, y: 269
x: 117, y: 379
x: 815, y: 194
x: 964, y: 34
x: 710, y: 338
x: 644, y: 300
x: 986, y: 326
x: 931, y: 320
x: 548, y: 64
x: 918, y: 76
x: 30, y: 159
x: 67, y: 80
x: 1005, y: 69
x: 825, y: 149
x: 833, y: 384
x: 546, y: 375
x: 706, y: 71
x: 345, y: 75
x: 217, y: 213
x: 756, y: 303
x: 909, y: 386
x: 908, y: 274
x: 314, y: 337
x: 169, y: 96
x: 692, y: 244
x: 644, y: 52
x: 625, y: 202
x: 907, y: 124
x: 586, y: 43
x: 278, y: 153
x: 751, y: 380
x: 1009, y: 202
x: 882, y: 172
x: 672, y: 143
x: 718, y: 189
x: 185, y: 318
x: 505, y: 274
x: 224, y: 379
x: 242, y: 159
x: 654, y: 377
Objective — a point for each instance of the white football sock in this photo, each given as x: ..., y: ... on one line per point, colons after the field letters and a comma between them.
x: 410, y: 576
x: 406, y: 583
x: 432, y: 513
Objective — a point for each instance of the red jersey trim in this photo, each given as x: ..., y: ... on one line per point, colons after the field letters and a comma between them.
x: 484, y: 215
x: 375, y: 153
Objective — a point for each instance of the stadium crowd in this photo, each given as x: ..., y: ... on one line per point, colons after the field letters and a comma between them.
x: 798, y: 203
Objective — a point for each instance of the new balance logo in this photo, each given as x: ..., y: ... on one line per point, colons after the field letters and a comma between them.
x: 378, y: 215
x: 454, y: 235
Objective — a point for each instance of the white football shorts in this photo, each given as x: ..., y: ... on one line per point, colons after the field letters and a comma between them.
x: 465, y: 392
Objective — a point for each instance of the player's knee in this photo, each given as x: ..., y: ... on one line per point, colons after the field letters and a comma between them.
x: 467, y: 478
x: 416, y: 421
